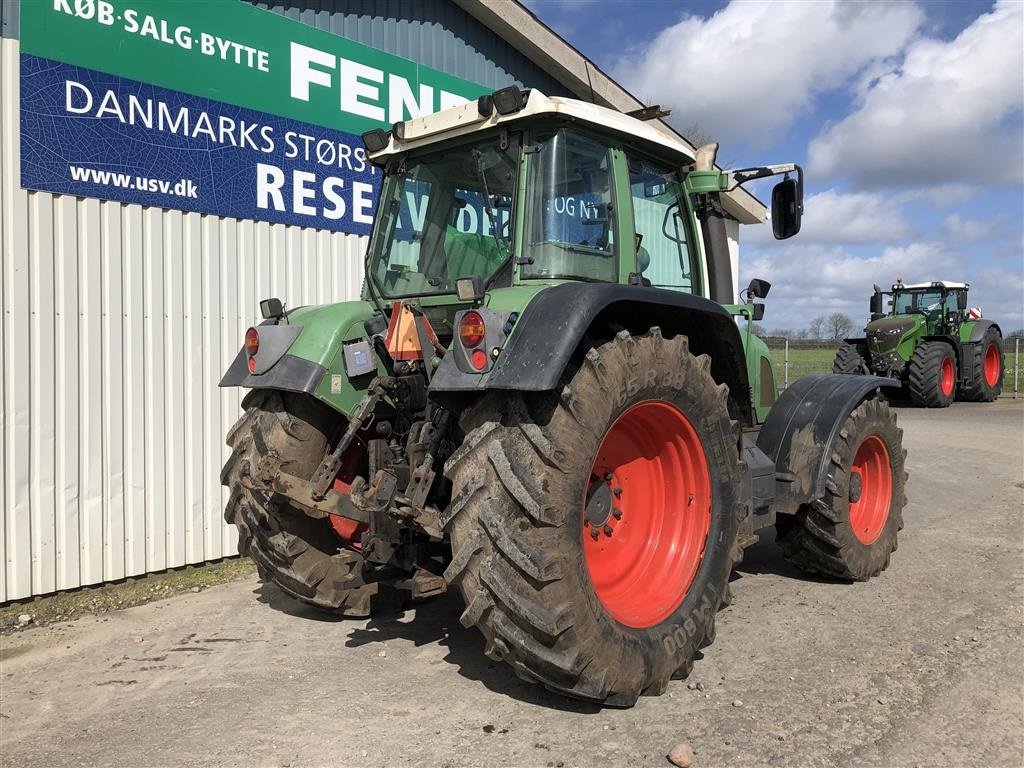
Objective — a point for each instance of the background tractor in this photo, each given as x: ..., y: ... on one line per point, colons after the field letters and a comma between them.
x: 930, y: 342
x: 546, y: 400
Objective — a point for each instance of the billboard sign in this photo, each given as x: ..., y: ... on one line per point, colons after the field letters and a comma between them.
x: 217, y: 107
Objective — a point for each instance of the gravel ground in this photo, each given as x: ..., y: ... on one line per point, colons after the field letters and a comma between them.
x: 921, y: 666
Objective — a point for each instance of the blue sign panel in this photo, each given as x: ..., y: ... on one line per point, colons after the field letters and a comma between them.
x: 92, y: 134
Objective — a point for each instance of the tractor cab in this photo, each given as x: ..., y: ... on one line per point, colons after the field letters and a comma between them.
x: 942, y: 304
x: 518, y: 189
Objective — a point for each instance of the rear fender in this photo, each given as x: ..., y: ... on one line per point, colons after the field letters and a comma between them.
x: 309, y: 359
x: 801, y: 430
x: 972, y: 330
x: 554, y: 324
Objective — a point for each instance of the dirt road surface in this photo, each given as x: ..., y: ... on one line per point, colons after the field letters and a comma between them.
x: 922, y: 666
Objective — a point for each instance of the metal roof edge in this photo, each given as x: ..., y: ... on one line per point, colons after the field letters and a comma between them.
x: 516, y: 24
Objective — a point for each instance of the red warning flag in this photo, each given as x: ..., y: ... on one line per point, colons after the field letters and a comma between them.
x: 402, y: 339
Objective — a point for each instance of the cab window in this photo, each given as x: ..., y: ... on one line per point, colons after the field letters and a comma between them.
x: 663, y: 241
x: 570, y: 221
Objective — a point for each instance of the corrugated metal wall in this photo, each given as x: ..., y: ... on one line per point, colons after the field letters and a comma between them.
x: 435, y: 33
x: 117, y: 321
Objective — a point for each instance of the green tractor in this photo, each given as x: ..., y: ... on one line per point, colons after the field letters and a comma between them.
x: 547, y: 400
x: 937, y: 348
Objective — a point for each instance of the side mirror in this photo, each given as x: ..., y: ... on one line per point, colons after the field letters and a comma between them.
x: 961, y: 300
x: 876, y: 303
x: 758, y: 312
x: 758, y: 289
x: 787, y: 208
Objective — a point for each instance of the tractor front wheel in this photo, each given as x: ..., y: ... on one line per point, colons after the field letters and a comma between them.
x: 851, y: 532
x: 987, y: 382
x: 593, y: 529
x: 932, y: 375
x: 851, y: 358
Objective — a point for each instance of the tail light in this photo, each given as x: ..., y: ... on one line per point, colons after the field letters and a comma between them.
x: 472, y: 331
x: 478, y: 359
x: 252, y: 346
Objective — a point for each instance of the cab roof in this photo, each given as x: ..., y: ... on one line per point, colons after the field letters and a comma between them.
x: 466, y: 119
x: 947, y: 284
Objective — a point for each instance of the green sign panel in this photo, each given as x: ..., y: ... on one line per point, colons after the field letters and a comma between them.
x: 232, y: 52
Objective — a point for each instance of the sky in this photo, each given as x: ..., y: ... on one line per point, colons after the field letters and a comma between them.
x: 908, y: 119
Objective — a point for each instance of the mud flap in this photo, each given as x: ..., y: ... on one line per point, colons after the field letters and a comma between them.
x: 801, y: 430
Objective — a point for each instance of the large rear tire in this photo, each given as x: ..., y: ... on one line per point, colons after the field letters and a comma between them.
x: 556, y: 501
x: 852, y: 531
x: 987, y: 382
x: 299, y: 553
x: 932, y: 375
x: 851, y: 358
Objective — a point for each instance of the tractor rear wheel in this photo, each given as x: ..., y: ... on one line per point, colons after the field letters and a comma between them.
x: 987, y: 382
x: 851, y: 532
x: 301, y: 554
x: 932, y: 375
x: 851, y: 358
x: 593, y: 529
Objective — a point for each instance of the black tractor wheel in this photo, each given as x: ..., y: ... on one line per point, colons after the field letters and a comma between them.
x: 931, y: 377
x: 593, y: 529
x: 299, y: 553
x: 987, y: 382
x: 852, y: 531
x: 851, y: 358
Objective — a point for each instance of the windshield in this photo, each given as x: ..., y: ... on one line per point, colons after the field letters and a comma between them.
x: 905, y: 302
x: 445, y: 216
x: 570, y: 230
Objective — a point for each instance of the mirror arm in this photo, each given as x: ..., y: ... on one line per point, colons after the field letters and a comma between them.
x: 733, y: 179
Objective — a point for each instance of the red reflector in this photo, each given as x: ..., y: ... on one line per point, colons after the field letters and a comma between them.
x: 478, y: 359
x: 252, y: 342
x: 252, y: 365
x: 472, y: 331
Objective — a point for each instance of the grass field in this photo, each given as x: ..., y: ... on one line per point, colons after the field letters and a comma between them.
x: 805, y: 361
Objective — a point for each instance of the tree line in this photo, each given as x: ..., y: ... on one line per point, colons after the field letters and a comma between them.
x: 823, y: 327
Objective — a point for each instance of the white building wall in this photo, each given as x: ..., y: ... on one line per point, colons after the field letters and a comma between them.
x: 117, y: 322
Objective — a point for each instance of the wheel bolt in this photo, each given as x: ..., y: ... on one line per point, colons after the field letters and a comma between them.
x: 617, y: 491
x: 608, y: 476
x: 593, y: 533
x: 607, y: 530
x: 616, y: 513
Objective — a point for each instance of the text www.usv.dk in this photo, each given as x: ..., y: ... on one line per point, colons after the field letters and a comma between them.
x: 182, y: 188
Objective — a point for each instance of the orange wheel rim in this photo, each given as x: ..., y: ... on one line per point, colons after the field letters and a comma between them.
x: 646, y: 514
x: 992, y: 365
x: 870, y: 490
x: 947, y: 376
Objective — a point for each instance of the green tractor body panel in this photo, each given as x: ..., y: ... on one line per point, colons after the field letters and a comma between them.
x: 893, y: 338
x: 967, y: 329
x: 760, y: 369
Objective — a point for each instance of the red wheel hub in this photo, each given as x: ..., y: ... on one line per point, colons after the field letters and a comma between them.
x: 646, y: 513
x: 992, y: 365
x: 947, y: 375
x: 870, y: 490
x: 349, y: 531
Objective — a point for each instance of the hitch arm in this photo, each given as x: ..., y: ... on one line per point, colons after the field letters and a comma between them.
x: 324, y: 476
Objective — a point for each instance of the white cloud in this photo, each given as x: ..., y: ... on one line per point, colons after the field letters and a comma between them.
x: 748, y: 71
x: 970, y: 230
x: 950, y: 111
x: 845, y: 218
